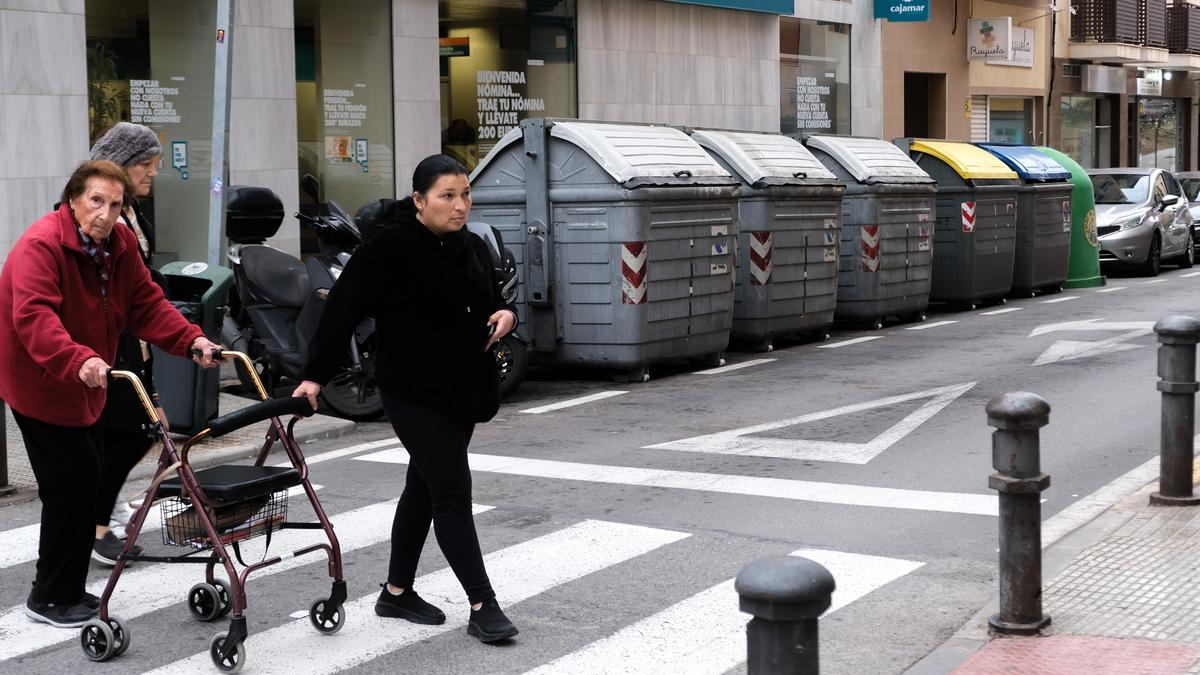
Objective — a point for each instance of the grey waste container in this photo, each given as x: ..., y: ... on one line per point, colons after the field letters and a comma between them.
x: 187, y: 392
x: 789, y: 218
x: 975, y: 238
x: 623, y: 235
x: 886, y: 257
x: 1043, y: 218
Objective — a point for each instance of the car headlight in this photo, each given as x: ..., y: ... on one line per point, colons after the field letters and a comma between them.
x: 1128, y: 222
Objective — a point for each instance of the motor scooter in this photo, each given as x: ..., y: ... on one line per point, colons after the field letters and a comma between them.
x: 273, y: 315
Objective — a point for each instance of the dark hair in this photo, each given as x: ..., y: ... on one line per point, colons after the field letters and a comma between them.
x: 434, y: 167
x: 95, y: 168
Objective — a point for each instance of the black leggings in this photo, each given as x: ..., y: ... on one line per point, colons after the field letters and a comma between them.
x: 438, y: 489
x: 123, y: 449
x: 66, y: 464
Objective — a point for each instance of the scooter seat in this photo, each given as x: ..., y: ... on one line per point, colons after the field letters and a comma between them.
x: 276, y: 276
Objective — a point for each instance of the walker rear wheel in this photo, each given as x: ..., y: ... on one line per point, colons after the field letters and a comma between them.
x: 223, y: 594
x: 204, y: 602
x: 120, y: 631
x: 230, y: 664
x: 97, y: 641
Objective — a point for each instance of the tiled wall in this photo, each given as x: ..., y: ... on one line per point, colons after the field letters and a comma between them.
x: 43, y: 107
x: 653, y: 61
x: 262, y: 109
x: 416, y: 90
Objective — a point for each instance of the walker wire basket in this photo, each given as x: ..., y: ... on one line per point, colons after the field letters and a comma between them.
x: 234, y: 522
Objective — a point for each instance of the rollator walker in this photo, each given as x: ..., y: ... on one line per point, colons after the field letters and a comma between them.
x: 210, y: 512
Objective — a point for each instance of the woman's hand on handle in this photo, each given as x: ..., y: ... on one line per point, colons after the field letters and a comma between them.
x: 206, y: 348
x: 502, y: 322
x: 94, y: 373
x: 309, y: 390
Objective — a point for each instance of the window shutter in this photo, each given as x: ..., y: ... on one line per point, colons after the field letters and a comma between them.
x: 979, y: 118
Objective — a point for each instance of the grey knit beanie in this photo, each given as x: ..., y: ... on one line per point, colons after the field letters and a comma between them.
x: 127, y: 144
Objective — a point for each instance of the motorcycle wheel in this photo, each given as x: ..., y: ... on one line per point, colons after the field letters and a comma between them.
x: 512, y: 360
x: 354, y: 394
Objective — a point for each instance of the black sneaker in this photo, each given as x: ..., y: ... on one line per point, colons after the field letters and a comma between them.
x: 409, y: 606
x: 60, y: 615
x: 489, y: 624
x: 106, y: 550
x: 90, y: 601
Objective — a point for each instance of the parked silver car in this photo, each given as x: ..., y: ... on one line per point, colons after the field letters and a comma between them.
x: 1190, y: 180
x: 1142, y: 218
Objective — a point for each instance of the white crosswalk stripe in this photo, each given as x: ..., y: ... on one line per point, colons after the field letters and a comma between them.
x: 561, y: 556
x: 147, y: 588
x: 706, y: 634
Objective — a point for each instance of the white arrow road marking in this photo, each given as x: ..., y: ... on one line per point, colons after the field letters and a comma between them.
x: 520, y: 572
x: 20, y: 544
x: 1092, y: 325
x: 706, y: 634
x: 1111, y: 289
x: 733, y: 366
x: 1068, y: 350
x: 776, y: 488
x: 146, y: 588
x: 742, y: 442
x: 572, y: 402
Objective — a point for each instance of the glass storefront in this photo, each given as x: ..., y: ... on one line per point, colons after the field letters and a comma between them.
x: 344, y: 101
x: 501, y: 63
x: 151, y: 62
x: 814, y: 74
x: 1010, y: 120
x: 1159, y: 134
x: 1078, y: 129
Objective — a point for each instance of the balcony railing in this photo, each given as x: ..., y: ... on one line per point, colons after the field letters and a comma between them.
x: 1183, y: 28
x: 1152, y: 23
x: 1107, y: 21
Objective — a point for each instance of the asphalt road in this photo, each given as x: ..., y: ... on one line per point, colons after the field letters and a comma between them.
x: 614, y: 556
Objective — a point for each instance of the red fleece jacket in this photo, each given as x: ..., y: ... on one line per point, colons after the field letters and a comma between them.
x: 53, y: 318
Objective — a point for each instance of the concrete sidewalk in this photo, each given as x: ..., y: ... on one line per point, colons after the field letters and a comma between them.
x: 237, y: 445
x: 1126, y: 600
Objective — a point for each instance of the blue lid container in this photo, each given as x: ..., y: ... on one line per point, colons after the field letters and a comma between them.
x: 1029, y: 164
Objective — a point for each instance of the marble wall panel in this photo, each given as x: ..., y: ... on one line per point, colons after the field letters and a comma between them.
x: 266, y: 13
x: 415, y: 61
x: 418, y: 135
x: 22, y: 201
x: 262, y: 134
x: 48, y: 6
x: 45, y: 136
x: 42, y: 53
x: 264, y: 62
x: 415, y: 18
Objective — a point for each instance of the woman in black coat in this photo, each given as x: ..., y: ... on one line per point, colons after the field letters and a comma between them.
x: 431, y: 287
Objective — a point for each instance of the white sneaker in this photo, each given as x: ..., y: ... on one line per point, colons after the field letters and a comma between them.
x: 121, y: 516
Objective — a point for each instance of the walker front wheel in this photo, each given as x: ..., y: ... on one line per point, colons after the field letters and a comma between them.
x: 331, y: 623
x: 229, y: 664
x: 97, y: 641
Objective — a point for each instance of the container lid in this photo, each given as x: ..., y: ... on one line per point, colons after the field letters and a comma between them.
x: 632, y: 154
x: 1027, y: 162
x: 967, y: 160
x: 765, y: 159
x: 870, y: 160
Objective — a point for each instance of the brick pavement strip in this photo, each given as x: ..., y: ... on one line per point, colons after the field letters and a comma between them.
x: 1073, y: 654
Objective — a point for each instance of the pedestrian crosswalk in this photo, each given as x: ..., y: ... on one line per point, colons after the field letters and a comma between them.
x: 703, y: 632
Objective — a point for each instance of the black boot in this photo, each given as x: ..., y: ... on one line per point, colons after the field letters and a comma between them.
x: 489, y: 624
x: 409, y: 606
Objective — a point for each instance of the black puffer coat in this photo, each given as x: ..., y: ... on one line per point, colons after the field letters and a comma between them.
x: 431, y: 298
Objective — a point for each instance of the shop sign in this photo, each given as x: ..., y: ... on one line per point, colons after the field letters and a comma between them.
x: 902, y: 10
x: 1021, y: 53
x: 1150, y: 83
x: 1103, y: 80
x: 989, y: 39
x: 454, y: 46
x: 770, y: 6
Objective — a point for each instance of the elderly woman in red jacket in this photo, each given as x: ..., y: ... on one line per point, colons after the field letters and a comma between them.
x: 68, y: 289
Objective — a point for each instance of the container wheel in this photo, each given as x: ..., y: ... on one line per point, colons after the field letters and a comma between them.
x: 713, y: 360
x: 876, y: 324
x: 639, y: 374
x: 204, y: 602
x: 915, y: 318
x: 120, y: 631
x: 223, y: 593
x: 97, y: 640
x: 230, y: 664
x: 327, y: 626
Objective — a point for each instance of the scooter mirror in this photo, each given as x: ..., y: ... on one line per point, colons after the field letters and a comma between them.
x: 311, y: 187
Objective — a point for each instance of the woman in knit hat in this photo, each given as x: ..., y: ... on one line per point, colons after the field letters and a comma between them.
x: 136, y: 149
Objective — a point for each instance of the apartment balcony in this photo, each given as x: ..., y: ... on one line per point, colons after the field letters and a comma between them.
x: 1183, y: 36
x: 1120, y: 31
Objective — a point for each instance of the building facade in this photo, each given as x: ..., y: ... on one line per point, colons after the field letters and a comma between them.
x: 357, y: 93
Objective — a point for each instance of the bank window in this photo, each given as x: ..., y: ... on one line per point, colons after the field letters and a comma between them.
x: 151, y: 62
x: 344, y: 101
x: 1079, y: 129
x: 501, y: 63
x: 1010, y: 120
x: 814, y: 71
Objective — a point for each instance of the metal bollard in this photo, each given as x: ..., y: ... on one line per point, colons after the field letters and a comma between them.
x: 786, y: 595
x: 5, y: 488
x: 1177, y: 338
x: 1017, y: 417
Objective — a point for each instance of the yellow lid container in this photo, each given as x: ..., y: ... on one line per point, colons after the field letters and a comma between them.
x: 969, y: 161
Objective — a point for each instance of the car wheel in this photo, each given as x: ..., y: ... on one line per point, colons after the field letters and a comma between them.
x: 1153, y: 263
x: 1189, y: 254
